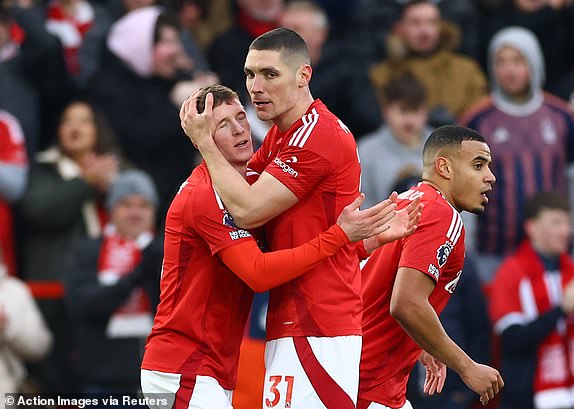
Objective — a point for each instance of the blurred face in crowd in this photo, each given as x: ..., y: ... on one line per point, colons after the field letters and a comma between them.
x: 529, y: 6
x: 233, y: 133
x: 406, y: 123
x: 512, y: 73
x: 274, y: 85
x: 420, y: 28
x: 311, y: 26
x: 263, y: 10
x: 131, y: 5
x: 471, y: 176
x: 77, y: 132
x: 133, y: 215
x: 550, y: 231
x: 168, y: 53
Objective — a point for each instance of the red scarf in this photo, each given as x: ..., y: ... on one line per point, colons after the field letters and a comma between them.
x: 118, y: 257
x: 253, y: 26
x: 554, y: 376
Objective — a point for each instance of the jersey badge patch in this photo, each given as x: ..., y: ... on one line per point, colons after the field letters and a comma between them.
x: 443, y: 252
x: 433, y: 270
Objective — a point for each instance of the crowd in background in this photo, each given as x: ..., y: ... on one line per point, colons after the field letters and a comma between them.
x: 92, y: 151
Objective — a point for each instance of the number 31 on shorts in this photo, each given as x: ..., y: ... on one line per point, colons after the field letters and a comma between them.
x: 280, y: 389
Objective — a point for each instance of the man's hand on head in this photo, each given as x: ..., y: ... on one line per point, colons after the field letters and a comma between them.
x: 200, y: 128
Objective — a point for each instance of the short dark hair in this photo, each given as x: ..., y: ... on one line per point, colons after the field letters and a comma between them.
x: 406, y: 90
x: 544, y: 201
x: 448, y: 136
x: 221, y: 94
x: 411, y: 3
x: 283, y: 40
x: 165, y: 19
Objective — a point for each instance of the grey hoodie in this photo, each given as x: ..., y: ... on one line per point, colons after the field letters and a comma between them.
x: 527, y: 44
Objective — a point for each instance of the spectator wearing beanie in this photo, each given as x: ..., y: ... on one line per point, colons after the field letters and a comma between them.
x: 112, y: 288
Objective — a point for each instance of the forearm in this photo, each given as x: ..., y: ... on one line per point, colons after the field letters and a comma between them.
x: 263, y: 271
x: 422, y: 324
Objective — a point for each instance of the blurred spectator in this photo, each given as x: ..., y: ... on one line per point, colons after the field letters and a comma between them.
x: 93, y: 46
x: 13, y: 178
x: 531, y: 304
x: 398, y: 143
x: 422, y: 44
x: 69, y: 20
x: 217, y: 19
x: 190, y: 14
x: 227, y: 52
x: 531, y: 137
x: 24, y: 336
x: 339, y: 80
x: 551, y: 23
x: 62, y: 204
x: 465, y: 319
x: 372, y: 21
x: 34, y: 81
x: 139, y: 90
x: 112, y: 289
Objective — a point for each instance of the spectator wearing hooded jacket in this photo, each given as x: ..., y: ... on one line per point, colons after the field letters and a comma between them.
x: 422, y: 44
x: 139, y: 90
x: 531, y: 135
x: 112, y: 289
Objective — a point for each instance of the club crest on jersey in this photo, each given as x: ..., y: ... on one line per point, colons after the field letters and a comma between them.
x: 433, y: 270
x: 443, y: 252
x: 451, y: 285
x: 228, y: 220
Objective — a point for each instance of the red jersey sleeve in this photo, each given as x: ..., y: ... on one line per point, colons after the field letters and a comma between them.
x: 12, y: 143
x: 263, y: 271
x: 213, y: 223
x: 430, y: 247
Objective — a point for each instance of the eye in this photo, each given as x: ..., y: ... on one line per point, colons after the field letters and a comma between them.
x: 271, y: 74
x: 241, y: 116
x: 478, y: 166
x: 249, y: 74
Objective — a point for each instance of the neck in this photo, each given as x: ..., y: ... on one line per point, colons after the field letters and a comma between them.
x: 286, y: 120
x: 438, y: 186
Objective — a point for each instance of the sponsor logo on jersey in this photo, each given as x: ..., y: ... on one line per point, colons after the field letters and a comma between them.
x: 443, y: 252
x: 433, y: 270
x: 451, y: 285
x: 239, y: 234
x: 286, y: 168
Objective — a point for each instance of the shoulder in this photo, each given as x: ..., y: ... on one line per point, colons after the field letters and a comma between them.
x: 481, y: 107
x: 557, y: 104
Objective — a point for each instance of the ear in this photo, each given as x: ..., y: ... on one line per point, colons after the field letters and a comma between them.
x: 443, y: 167
x: 304, y: 75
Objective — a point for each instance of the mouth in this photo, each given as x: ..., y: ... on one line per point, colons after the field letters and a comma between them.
x: 241, y: 144
x: 261, y: 104
x: 484, y: 195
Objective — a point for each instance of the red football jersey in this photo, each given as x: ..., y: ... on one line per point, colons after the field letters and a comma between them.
x: 200, y: 296
x: 436, y: 249
x: 317, y: 160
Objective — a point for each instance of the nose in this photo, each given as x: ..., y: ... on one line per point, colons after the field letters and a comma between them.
x: 256, y: 84
x: 491, y: 178
x: 236, y: 128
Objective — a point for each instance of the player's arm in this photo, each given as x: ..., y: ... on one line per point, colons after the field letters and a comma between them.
x: 250, y: 205
x: 262, y: 271
x: 411, y: 308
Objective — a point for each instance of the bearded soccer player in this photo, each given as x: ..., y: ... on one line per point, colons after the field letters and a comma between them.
x: 407, y: 283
